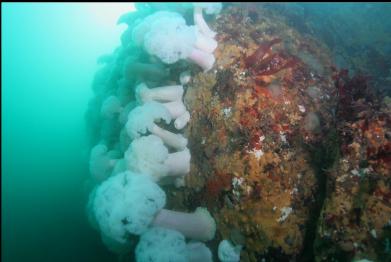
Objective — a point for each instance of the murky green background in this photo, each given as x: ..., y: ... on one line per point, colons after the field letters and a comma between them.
x: 48, y: 62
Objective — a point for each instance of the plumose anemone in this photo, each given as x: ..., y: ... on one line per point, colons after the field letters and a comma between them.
x: 148, y: 155
x: 141, y: 119
x: 166, y: 35
x: 129, y: 203
x: 162, y: 244
x: 136, y: 114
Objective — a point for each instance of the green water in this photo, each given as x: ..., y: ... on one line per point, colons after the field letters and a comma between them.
x: 48, y: 61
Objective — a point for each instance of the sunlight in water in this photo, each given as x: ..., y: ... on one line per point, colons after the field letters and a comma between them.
x: 107, y: 14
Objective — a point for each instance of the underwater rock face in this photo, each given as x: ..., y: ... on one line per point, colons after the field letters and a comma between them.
x: 356, y: 217
x: 290, y: 156
x: 247, y: 131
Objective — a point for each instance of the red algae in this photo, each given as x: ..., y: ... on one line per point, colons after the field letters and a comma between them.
x: 275, y: 63
x: 259, y: 54
x: 215, y: 186
x: 263, y: 62
x: 261, y: 91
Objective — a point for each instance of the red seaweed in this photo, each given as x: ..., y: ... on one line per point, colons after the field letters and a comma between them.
x: 261, y: 51
x: 261, y: 91
x: 264, y: 63
x: 349, y: 92
x: 275, y: 63
x: 215, y: 187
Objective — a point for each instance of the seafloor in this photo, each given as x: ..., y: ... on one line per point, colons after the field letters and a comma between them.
x: 289, y: 154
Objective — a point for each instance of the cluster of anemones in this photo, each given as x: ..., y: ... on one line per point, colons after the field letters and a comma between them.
x: 128, y: 199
